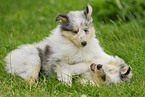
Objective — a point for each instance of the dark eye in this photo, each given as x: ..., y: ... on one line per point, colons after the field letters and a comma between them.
x: 86, y: 30
x: 104, y: 77
x: 75, y: 32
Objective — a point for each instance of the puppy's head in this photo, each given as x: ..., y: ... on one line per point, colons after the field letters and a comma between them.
x: 112, y: 72
x: 76, y: 26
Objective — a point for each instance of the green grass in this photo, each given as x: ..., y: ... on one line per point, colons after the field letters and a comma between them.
x: 28, y: 21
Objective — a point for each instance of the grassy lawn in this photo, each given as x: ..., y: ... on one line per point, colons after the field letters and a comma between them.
x: 29, y: 21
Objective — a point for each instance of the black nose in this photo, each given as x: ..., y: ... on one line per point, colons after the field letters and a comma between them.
x: 84, y: 43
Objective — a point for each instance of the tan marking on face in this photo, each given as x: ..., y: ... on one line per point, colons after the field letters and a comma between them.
x: 75, y: 38
x: 89, y: 16
x: 69, y: 35
x: 63, y: 20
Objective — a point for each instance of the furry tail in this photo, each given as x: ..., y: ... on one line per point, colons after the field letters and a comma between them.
x: 24, y: 61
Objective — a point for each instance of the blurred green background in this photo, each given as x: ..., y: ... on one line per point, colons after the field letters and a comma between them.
x: 115, y: 9
x: 120, y: 28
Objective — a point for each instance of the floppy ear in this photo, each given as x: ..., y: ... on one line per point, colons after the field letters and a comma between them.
x: 62, y: 18
x: 126, y: 70
x: 126, y: 73
x: 88, y: 11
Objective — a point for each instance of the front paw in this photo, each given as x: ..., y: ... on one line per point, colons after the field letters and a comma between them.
x: 65, y: 79
x: 86, y: 82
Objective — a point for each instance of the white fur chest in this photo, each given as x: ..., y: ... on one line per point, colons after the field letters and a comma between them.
x: 69, y: 53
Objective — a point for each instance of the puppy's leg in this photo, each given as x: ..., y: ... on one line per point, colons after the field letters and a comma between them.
x: 65, y: 76
x: 79, y: 68
x: 65, y: 72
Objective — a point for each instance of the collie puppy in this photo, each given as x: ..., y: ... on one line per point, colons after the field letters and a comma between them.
x: 69, y: 50
x: 112, y: 72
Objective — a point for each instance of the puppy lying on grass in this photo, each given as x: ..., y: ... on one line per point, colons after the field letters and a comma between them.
x: 68, y: 51
x: 113, y: 72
